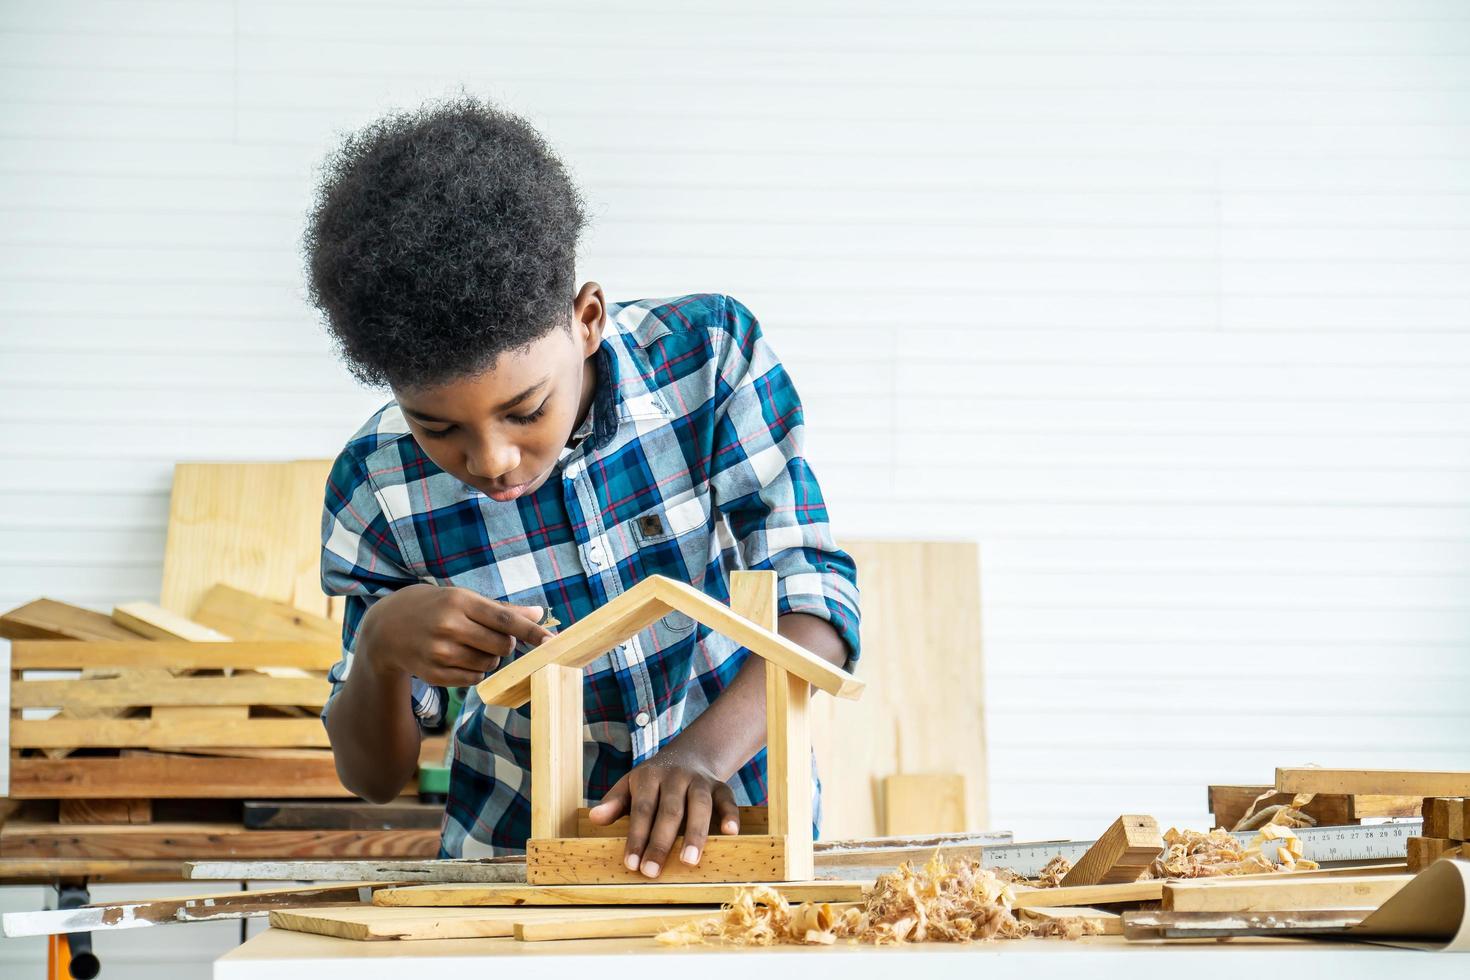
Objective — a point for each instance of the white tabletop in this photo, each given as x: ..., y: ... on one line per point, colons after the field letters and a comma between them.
x: 279, y: 955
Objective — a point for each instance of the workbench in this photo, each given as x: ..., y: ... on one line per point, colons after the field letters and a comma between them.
x: 279, y: 955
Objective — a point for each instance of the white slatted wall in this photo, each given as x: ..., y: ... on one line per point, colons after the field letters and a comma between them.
x: 1164, y: 302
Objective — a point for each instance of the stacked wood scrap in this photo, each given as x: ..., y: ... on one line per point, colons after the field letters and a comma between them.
x: 141, y: 734
x: 1446, y: 831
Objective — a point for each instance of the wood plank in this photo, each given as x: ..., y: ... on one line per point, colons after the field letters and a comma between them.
x: 105, y: 811
x: 1424, y: 851
x: 51, y: 870
x: 1145, y: 925
x: 1444, y: 816
x: 48, y: 619
x: 130, y: 690
x: 611, y: 924
x: 599, y: 860
x: 1111, y: 923
x: 1121, y: 854
x: 157, y: 623
x: 1396, y: 782
x: 401, y: 814
x: 921, y: 641
x: 1244, y: 895
x: 153, y: 733
x: 502, y: 870
x: 172, y: 654
x: 174, y: 777
x: 22, y: 839
x: 753, y: 820
x: 651, y: 893
x: 927, y: 803
x: 788, y: 733
x: 1078, y: 895
x: 255, y: 526
x: 195, y: 715
x: 556, y: 751
x: 1229, y: 804
x: 372, y: 923
x: 247, y: 616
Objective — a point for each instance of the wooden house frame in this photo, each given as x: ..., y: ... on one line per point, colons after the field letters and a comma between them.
x: 564, y: 849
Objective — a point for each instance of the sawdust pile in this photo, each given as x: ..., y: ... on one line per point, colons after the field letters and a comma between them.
x: 1052, y: 874
x: 944, y: 901
x: 1195, y: 854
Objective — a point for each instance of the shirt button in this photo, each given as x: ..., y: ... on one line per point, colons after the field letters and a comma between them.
x: 594, y: 554
x: 642, y: 719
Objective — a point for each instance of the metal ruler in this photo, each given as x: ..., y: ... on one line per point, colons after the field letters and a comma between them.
x: 1325, y: 845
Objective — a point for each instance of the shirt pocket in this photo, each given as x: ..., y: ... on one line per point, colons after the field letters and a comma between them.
x: 675, y: 539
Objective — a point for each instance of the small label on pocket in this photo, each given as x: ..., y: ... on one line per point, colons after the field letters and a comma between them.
x: 650, y: 525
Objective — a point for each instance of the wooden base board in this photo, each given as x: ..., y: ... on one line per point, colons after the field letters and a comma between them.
x: 599, y: 861
x: 753, y: 820
x: 184, y: 841
x: 653, y: 893
x: 379, y: 923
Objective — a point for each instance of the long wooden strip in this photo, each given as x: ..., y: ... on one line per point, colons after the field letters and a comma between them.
x: 247, y: 616
x: 653, y: 893
x: 131, y: 691
x: 157, y: 623
x: 189, y: 908
x: 615, y: 923
x: 1222, y: 925
x: 47, y: 619
x: 377, y: 923
x: 501, y: 870
x: 152, y: 733
x: 577, y: 645
x: 1279, y: 894
x: 174, y: 654
x: 1129, y: 891
x: 599, y: 860
x: 41, y: 870
x: 173, y: 777
x: 1396, y: 782
x: 21, y: 839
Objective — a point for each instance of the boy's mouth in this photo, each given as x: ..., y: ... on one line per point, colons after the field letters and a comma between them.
x: 509, y: 493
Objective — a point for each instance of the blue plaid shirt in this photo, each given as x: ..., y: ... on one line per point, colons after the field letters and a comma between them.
x: 693, y: 466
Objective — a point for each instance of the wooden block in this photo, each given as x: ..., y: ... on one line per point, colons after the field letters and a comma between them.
x: 174, y: 777
x: 47, y: 619
x: 401, y: 814
x: 652, y: 893
x: 932, y: 803
x: 1244, y: 895
x: 613, y: 924
x: 1444, y: 817
x: 129, y: 689
x: 1111, y: 923
x: 1384, y: 805
x: 599, y: 860
x: 1128, y: 891
x: 105, y: 811
x: 246, y: 616
x: 255, y: 526
x: 1424, y: 851
x: 753, y: 820
x: 171, y: 654
x: 151, y: 733
x: 788, y: 732
x: 1121, y: 854
x: 157, y: 623
x: 1229, y: 804
x: 556, y: 751
x: 22, y: 839
x: 1396, y: 782
x: 921, y: 640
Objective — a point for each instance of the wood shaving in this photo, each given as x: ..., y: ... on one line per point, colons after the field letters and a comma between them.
x: 1052, y: 874
x: 1195, y: 854
x: 945, y: 901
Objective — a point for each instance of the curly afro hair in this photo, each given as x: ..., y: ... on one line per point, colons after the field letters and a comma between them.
x: 440, y: 239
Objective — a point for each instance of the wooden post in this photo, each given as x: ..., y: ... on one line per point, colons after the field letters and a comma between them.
x: 556, y: 751
x: 788, y: 732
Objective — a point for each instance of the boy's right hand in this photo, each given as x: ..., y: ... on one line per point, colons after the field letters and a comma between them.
x: 444, y: 635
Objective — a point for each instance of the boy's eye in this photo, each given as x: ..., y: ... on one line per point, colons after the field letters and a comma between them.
x: 436, y: 433
x: 528, y: 419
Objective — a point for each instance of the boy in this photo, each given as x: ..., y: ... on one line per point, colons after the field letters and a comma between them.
x: 546, y: 450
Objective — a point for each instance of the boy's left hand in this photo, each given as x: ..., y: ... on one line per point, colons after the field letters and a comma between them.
x: 675, y: 792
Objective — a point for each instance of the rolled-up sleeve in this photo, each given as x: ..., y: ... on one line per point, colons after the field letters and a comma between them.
x: 362, y: 561
x: 765, y: 488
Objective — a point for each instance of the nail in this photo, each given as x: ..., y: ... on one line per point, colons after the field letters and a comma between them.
x: 691, y: 855
x: 731, y: 827
x: 631, y: 861
x: 650, y: 869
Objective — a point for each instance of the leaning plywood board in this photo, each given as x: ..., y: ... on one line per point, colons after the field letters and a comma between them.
x: 256, y: 526
x: 924, y: 710
x: 927, y: 803
x: 1279, y: 894
x: 1404, y: 782
x: 247, y: 616
x: 653, y: 893
x: 157, y: 623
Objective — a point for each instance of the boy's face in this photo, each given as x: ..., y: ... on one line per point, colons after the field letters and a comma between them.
x: 502, y: 431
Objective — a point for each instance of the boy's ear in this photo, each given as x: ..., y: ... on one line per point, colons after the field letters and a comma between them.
x: 590, y: 313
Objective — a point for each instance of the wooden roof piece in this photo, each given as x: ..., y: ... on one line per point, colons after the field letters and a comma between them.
x: 648, y: 601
